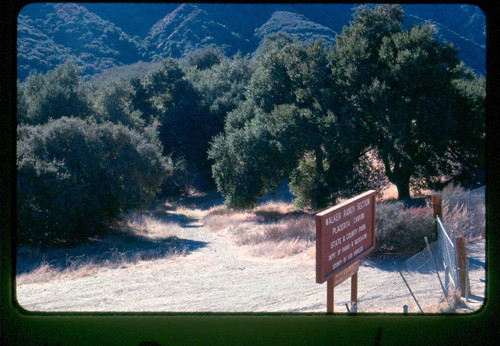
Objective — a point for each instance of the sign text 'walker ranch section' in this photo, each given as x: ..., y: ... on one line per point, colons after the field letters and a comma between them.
x: 344, y: 233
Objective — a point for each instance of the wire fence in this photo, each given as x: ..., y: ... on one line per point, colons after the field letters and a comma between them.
x: 448, y: 255
x: 426, y: 281
x: 413, y: 287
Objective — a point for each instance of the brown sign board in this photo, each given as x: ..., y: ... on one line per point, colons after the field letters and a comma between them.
x: 344, y: 234
x: 345, y: 273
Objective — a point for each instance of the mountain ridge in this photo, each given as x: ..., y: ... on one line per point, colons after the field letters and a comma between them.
x: 100, y: 36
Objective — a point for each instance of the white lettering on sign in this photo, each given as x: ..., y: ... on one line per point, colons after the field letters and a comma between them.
x: 331, y: 256
x: 346, y: 248
x: 351, y: 234
x: 335, y: 243
x: 362, y: 227
x: 363, y: 204
x: 332, y: 219
x: 336, y: 264
x: 358, y: 251
x: 349, y: 211
x: 358, y: 218
x: 343, y: 226
x: 360, y: 239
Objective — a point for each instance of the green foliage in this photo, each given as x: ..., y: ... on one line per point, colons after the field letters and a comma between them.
x: 274, y: 41
x: 120, y: 74
x: 205, y: 58
x: 221, y: 87
x: 308, y: 113
x: 398, y: 87
x: 397, y: 93
x: 54, y: 33
x: 114, y: 104
x: 168, y: 97
x: 287, y: 104
x: 247, y: 162
x: 400, y: 230
x: 302, y: 181
x: 468, y: 139
x: 53, y: 95
x: 190, y: 108
x: 75, y: 175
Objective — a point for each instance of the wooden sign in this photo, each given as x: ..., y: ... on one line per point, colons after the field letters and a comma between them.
x: 344, y: 234
x: 345, y: 273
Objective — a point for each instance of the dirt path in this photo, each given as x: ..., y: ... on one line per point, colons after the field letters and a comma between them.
x: 217, y: 277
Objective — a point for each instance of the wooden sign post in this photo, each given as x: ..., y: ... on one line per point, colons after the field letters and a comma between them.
x: 344, y: 234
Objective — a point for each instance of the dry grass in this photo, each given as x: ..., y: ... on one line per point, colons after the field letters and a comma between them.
x: 390, y: 192
x: 456, y: 218
x: 446, y: 305
x: 274, y: 229
x: 464, y: 212
x: 137, y: 237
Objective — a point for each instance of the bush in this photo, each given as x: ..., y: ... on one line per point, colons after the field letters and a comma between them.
x: 76, y: 175
x: 401, y: 230
x: 303, y: 181
x: 53, y: 95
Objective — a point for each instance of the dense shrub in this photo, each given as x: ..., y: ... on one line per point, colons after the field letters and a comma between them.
x: 56, y: 94
x: 401, y: 230
x: 75, y: 175
x: 114, y: 104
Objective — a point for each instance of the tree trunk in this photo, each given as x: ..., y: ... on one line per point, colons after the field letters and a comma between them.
x: 320, y: 196
x: 399, y: 176
x: 403, y: 185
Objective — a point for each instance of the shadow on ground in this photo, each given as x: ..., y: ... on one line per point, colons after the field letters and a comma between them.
x: 203, y: 201
x: 383, y: 263
x: 124, y: 246
x: 167, y: 216
x: 107, y: 251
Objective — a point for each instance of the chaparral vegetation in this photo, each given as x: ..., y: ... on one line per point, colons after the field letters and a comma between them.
x: 379, y: 104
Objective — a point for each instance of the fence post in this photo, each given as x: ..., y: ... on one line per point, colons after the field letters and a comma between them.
x: 462, y: 265
x: 467, y: 286
x: 437, y: 206
x: 468, y: 216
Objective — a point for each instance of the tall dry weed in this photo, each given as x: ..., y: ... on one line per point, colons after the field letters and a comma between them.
x: 464, y: 212
x: 274, y: 229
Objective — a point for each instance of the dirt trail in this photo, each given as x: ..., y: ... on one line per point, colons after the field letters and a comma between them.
x: 216, y: 276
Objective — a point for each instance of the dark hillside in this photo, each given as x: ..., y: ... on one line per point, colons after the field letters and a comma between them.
x: 296, y: 25
x: 69, y: 31
x: 132, y: 18
x: 187, y: 29
x: 98, y: 36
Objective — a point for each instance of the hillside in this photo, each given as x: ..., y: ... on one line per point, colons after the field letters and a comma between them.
x: 99, y: 36
x: 50, y: 34
x: 296, y: 25
x: 187, y: 29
